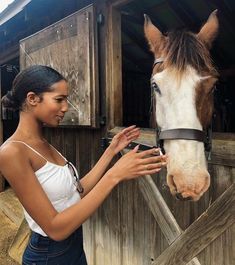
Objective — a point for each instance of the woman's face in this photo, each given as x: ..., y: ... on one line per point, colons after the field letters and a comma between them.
x: 51, y: 109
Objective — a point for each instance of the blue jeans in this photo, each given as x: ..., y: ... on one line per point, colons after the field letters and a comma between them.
x: 45, y: 251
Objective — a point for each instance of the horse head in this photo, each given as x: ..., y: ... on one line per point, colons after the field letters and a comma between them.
x: 182, y: 80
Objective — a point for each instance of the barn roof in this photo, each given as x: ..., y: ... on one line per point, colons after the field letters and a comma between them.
x: 171, y: 14
x: 12, y: 9
x: 25, y: 17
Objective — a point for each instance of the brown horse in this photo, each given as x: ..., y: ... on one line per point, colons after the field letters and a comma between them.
x: 182, y: 79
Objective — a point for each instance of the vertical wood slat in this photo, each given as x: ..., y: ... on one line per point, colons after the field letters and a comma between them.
x: 114, y: 64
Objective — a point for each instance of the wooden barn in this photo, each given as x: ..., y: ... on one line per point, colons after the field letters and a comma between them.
x: 99, y: 46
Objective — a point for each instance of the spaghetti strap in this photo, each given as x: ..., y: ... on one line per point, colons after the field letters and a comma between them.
x: 58, y: 152
x: 14, y: 141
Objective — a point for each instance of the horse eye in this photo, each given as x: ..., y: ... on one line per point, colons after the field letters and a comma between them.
x: 155, y: 88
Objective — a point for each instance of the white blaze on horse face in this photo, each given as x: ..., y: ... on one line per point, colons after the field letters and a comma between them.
x: 175, y: 108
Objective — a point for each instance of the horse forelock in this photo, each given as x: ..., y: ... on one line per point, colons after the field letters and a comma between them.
x: 182, y: 49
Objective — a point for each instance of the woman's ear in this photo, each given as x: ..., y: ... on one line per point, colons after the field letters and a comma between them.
x: 32, y: 99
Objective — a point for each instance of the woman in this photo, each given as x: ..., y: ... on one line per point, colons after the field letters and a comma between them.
x: 55, y: 203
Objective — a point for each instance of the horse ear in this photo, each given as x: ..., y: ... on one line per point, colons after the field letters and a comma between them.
x: 152, y: 34
x: 209, y: 31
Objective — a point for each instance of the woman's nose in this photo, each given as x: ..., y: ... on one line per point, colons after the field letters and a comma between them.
x: 65, y: 106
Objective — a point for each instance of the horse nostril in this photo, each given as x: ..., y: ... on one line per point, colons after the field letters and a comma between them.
x: 178, y: 196
x: 181, y: 198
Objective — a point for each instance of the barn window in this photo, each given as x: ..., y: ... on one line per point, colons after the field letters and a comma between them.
x: 70, y: 46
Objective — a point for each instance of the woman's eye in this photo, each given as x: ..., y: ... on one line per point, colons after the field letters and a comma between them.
x: 155, y: 88
x: 59, y: 99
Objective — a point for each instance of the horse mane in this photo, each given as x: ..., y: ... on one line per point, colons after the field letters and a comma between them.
x: 183, y: 48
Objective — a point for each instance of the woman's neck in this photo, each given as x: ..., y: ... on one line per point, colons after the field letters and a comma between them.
x: 29, y: 128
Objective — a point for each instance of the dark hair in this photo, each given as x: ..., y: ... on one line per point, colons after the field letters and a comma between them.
x: 36, y: 78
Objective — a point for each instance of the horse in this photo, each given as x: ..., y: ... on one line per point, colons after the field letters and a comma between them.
x: 182, y: 81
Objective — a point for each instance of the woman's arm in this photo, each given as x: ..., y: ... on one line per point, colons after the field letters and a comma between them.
x: 17, y: 169
x: 95, y: 174
x: 119, y: 141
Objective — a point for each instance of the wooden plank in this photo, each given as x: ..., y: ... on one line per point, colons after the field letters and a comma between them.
x: 219, y: 216
x: 114, y: 68
x: 223, y: 151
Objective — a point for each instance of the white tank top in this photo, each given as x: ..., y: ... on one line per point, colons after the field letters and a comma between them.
x: 59, y: 183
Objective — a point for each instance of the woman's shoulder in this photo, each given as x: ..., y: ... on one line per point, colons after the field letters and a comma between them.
x: 11, y: 150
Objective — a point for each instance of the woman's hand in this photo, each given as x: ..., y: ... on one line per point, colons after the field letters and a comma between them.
x: 134, y: 164
x: 123, y: 138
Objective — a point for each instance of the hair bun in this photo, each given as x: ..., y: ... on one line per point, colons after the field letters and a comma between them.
x: 9, y: 101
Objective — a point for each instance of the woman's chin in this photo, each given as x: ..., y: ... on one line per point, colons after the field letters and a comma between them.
x: 51, y: 125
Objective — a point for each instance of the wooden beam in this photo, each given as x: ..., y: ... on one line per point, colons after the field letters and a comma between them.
x: 114, y: 68
x: 211, y: 224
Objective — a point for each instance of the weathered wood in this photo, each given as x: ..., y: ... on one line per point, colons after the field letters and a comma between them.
x: 159, y: 209
x: 223, y: 152
x: 70, y: 46
x: 114, y: 66
x: 161, y: 212
x: 219, y: 216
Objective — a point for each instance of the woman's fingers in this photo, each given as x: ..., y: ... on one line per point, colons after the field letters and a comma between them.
x: 155, y: 159
x: 153, y: 151
x: 129, y: 132
x: 153, y: 166
x: 150, y: 172
x: 133, y: 135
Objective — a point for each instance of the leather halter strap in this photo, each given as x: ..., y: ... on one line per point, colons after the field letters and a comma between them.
x: 182, y: 133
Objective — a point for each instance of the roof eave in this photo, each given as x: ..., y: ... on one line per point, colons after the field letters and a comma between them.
x: 12, y: 10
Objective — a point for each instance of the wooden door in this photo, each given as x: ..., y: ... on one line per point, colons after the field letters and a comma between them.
x: 70, y: 46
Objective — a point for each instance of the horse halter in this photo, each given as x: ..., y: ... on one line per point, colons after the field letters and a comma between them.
x: 183, y: 133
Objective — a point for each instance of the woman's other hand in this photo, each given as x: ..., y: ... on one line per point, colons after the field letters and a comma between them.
x: 134, y: 164
x: 123, y: 138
